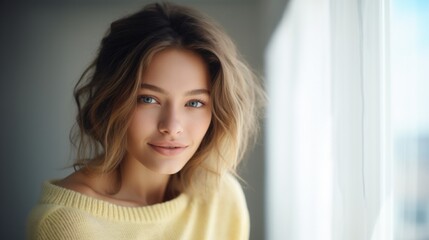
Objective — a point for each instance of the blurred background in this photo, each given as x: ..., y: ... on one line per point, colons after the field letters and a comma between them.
x: 344, y: 151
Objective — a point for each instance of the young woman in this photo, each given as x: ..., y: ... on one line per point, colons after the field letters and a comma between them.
x: 165, y: 113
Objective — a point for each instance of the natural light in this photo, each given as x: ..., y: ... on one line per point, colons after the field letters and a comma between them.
x: 348, y: 125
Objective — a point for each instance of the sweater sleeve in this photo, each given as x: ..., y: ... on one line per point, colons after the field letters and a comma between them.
x: 235, y: 207
x: 54, y: 223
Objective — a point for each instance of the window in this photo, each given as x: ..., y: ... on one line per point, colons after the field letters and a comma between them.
x: 348, y: 125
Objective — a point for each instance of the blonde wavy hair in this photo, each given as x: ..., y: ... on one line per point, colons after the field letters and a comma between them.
x: 106, y: 93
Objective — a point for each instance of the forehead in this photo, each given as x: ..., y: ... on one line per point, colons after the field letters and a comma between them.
x: 176, y: 69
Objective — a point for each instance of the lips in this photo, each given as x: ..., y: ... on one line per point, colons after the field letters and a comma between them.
x: 168, y: 149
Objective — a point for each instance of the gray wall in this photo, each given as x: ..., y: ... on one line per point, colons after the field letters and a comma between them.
x: 45, y: 47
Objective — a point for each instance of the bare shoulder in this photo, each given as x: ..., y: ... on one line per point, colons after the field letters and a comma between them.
x: 79, y: 182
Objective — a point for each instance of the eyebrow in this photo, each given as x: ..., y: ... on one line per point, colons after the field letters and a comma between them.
x: 160, y: 90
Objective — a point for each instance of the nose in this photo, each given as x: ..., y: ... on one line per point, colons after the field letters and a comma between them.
x: 170, y: 122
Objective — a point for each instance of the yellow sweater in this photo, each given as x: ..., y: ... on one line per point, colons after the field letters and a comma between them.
x: 66, y: 214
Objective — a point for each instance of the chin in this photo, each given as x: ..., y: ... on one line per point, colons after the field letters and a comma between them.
x: 167, y: 170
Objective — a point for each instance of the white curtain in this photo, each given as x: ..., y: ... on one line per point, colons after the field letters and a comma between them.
x: 328, y: 130
x: 299, y: 134
x: 348, y: 121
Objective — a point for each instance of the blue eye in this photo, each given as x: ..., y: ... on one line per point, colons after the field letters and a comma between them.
x: 194, y: 104
x: 146, y: 99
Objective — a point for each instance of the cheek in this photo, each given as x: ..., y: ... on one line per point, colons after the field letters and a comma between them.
x: 198, y: 128
x: 142, y: 124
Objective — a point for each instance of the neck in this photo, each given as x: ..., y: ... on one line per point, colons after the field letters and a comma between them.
x: 139, y: 185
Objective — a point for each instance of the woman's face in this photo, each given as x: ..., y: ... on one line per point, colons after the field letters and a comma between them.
x: 173, y: 111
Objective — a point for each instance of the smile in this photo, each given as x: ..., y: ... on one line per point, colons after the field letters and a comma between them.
x: 168, y: 150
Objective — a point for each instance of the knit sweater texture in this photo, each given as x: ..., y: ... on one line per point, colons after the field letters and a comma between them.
x: 65, y: 214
